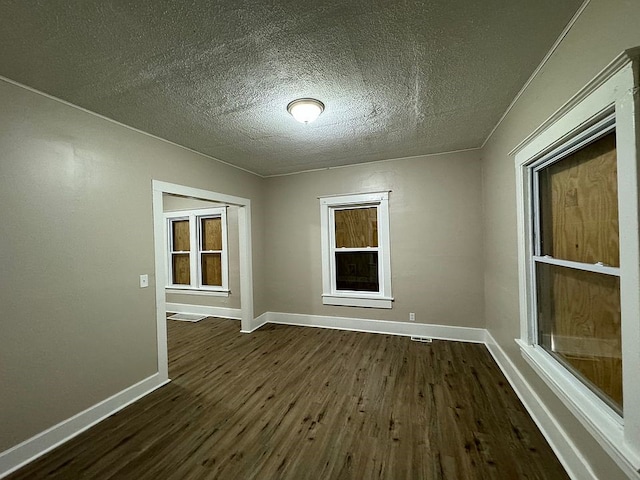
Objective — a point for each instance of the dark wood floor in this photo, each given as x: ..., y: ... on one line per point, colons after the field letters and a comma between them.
x: 304, y: 403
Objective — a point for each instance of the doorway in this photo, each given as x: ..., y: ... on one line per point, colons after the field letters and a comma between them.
x: 245, y: 257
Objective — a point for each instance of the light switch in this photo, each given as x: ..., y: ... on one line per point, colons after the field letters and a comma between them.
x: 144, y: 281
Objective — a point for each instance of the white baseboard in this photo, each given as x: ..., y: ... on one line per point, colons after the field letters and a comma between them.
x: 567, y: 452
x: 257, y: 323
x: 222, y: 312
x: 36, y: 446
x: 440, y: 332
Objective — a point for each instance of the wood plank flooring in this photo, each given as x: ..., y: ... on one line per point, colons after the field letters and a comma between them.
x: 303, y: 403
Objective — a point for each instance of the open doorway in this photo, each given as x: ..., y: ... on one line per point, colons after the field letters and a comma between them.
x: 196, y: 195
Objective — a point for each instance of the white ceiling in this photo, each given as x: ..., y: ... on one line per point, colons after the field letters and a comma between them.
x: 398, y: 78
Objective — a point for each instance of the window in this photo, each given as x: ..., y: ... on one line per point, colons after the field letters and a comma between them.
x: 577, y: 265
x: 579, y: 258
x: 356, y: 265
x: 197, y: 250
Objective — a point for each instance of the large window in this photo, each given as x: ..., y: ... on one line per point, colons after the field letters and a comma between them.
x: 576, y: 257
x: 579, y: 258
x: 197, y: 250
x: 355, y: 250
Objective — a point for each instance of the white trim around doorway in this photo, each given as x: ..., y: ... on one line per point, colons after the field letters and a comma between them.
x: 246, y: 269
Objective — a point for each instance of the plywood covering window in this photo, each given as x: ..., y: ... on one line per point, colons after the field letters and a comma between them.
x: 210, y: 251
x: 355, y: 250
x: 577, y: 265
x: 180, y: 246
x: 197, y: 247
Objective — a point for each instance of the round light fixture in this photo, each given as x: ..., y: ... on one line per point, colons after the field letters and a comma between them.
x: 305, y: 110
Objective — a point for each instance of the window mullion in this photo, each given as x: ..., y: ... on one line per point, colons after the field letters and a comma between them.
x: 194, y: 256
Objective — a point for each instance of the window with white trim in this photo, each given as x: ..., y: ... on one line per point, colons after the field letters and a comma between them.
x: 197, y: 250
x: 576, y: 261
x: 579, y: 258
x: 356, y: 262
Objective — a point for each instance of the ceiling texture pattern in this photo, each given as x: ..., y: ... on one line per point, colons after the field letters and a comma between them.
x: 398, y: 78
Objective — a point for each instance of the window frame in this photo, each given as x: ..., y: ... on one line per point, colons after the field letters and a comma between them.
x: 609, y: 101
x: 352, y: 298
x: 172, y: 251
x: 598, y: 129
x: 195, y: 252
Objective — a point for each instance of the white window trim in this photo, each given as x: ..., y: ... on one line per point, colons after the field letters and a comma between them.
x: 615, y: 90
x: 190, y: 291
x: 196, y: 286
x: 330, y: 295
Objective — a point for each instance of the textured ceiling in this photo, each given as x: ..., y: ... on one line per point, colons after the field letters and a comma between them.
x: 398, y: 78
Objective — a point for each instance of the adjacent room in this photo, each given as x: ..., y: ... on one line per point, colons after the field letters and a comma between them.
x: 397, y: 239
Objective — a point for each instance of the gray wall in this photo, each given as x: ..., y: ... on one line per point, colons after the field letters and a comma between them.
x: 75, y: 201
x: 173, y: 203
x: 436, y: 238
x: 601, y: 33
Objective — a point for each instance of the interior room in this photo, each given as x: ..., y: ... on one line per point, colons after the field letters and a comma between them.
x: 464, y: 202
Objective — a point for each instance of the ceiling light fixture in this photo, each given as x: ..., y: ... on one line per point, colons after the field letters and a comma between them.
x: 305, y: 110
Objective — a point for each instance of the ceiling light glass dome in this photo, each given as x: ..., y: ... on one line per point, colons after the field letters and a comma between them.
x: 305, y: 110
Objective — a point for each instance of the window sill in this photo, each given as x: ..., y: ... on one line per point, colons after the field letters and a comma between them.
x: 595, y: 415
x: 354, y: 301
x: 193, y: 291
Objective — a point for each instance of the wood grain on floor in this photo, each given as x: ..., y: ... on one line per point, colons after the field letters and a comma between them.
x: 302, y: 403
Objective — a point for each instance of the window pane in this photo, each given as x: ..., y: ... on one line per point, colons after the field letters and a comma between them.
x: 579, y: 323
x: 180, y: 232
x: 357, y: 271
x: 579, y: 205
x: 357, y: 227
x: 211, y: 231
x: 211, y: 269
x: 181, y: 272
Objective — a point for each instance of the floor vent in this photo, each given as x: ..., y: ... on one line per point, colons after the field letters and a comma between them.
x: 187, y: 317
x: 422, y: 339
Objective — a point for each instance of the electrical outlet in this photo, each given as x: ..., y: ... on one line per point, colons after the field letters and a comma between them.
x: 144, y: 281
x: 412, y: 317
